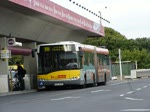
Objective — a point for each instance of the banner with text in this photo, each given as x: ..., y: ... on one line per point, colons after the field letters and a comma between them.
x: 61, y: 13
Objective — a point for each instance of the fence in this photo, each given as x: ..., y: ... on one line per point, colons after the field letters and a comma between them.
x: 126, y: 68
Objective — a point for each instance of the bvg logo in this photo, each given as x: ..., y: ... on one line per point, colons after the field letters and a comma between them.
x: 61, y: 76
x: 52, y: 77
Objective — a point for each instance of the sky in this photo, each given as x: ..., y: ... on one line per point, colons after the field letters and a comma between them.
x: 131, y: 18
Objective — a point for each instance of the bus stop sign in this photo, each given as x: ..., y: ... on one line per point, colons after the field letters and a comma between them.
x: 11, y: 41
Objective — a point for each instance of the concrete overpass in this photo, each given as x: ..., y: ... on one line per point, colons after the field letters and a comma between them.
x: 39, y: 21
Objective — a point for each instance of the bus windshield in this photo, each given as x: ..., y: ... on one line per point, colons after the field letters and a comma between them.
x: 53, y: 61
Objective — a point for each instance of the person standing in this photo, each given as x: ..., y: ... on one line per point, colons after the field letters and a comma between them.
x: 20, y: 74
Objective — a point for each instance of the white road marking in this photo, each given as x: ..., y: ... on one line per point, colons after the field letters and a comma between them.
x: 63, y: 98
x: 136, y: 110
x: 130, y: 92
x: 128, y: 98
x: 138, y: 89
x: 118, y: 83
x: 134, y: 91
x: 145, y: 86
x: 99, y: 91
x: 122, y: 94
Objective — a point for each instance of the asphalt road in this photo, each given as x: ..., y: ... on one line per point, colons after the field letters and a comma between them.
x: 126, y: 96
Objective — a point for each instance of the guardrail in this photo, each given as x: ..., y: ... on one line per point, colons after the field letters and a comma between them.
x: 140, y: 73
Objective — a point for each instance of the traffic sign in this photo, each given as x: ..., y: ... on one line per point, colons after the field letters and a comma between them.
x: 11, y: 41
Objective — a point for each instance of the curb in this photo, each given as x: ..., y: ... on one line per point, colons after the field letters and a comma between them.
x: 17, y: 92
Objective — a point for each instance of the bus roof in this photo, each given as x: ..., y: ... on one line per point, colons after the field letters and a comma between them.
x: 61, y: 43
x: 91, y: 48
x: 84, y: 47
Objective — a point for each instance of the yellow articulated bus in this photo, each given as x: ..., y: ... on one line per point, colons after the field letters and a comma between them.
x: 72, y: 63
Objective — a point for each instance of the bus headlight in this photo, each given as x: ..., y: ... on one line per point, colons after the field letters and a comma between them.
x: 42, y: 80
x: 75, y: 78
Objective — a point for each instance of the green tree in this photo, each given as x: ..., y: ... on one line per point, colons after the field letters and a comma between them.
x: 144, y: 43
x: 142, y: 57
x: 15, y: 58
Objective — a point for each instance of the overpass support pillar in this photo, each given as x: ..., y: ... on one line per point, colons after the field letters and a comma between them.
x: 30, y: 65
x: 4, y: 79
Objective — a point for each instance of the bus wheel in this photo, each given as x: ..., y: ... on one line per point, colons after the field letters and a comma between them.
x: 105, y: 80
x: 94, y: 84
x: 85, y: 81
x: 83, y: 85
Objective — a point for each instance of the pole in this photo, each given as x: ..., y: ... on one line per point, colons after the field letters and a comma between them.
x: 135, y: 64
x: 120, y: 64
x: 11, y: 83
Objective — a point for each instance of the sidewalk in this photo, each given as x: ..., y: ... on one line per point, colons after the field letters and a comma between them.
x: 18, y: 92
x: 35, y: 90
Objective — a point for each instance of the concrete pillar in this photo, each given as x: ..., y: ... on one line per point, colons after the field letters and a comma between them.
x: 4, y: 82
x: 30, y: 64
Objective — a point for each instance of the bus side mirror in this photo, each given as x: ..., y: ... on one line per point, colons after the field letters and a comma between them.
x: 33, y: 52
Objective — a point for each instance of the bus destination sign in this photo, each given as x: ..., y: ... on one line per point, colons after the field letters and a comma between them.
x: 53, y: 48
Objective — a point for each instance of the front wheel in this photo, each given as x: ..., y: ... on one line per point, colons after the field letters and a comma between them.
x: 94, y: 82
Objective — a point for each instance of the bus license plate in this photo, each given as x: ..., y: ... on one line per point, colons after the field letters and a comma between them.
x: 58, y: 84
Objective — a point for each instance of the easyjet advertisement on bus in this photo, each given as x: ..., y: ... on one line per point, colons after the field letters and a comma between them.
x: 49, y: 8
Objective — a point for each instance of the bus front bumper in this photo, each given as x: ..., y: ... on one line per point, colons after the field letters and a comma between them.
x: 58, y: 82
